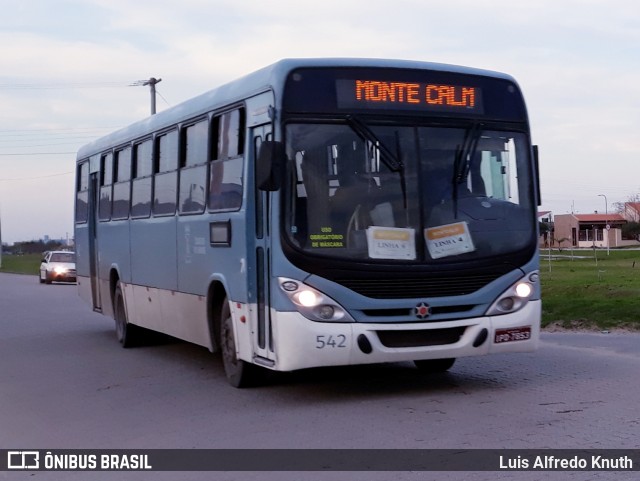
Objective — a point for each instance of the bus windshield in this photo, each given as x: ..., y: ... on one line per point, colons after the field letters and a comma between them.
x: 416, y: 194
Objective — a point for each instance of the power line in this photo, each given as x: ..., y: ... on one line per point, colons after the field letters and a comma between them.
x: 38, y: 153
x: 18, y: 140
x: 56, y: 130
x: 162, y: 97
x: 62, y: 85
x: 25, y: 137
x: 47, y: 138
x: 36, y: 178
x: 73, y: 142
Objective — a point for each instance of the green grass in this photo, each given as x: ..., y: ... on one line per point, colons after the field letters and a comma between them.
x: 26, y: 264
x: 592, y: 289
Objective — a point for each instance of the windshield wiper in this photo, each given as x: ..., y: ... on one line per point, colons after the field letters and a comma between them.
x: 465, y: 153
x: 464, y: 156
x: 387, y: 156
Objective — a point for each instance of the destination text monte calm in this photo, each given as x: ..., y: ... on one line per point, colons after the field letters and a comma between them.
x: 415, y: 93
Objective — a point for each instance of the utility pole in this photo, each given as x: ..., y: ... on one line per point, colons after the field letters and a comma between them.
x: 606, y: 220
x: 152, y: 88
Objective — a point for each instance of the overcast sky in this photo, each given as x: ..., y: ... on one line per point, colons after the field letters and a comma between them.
x: 66, y: 66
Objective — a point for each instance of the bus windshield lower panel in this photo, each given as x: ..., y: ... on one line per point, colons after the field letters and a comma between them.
x: 409, y: 194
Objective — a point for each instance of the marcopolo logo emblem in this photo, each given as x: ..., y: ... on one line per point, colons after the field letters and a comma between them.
x: 23, y: 460
x: 422, y: 311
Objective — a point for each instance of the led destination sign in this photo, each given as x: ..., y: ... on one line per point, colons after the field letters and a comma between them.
x: 376, y: 94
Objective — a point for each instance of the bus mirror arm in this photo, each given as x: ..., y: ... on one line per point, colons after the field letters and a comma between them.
x: 537, y: 174
x: 270, y: 165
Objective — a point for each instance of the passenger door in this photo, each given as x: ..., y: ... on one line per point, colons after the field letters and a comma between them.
x: 259, y: 281
x: 94, y: 271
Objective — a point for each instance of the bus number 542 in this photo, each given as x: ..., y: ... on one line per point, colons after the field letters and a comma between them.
x: 323, y: 342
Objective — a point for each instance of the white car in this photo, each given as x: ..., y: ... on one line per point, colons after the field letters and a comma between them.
x: 58, y: 266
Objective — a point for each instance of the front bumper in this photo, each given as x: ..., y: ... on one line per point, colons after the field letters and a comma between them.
x: 301, y: 343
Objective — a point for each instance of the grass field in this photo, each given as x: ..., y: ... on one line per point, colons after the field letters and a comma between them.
x: 590, y: 290
x: 26, y: 264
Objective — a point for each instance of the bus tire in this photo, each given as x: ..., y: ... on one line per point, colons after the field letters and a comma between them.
x: 127, y: 334
x: 434, y: 365
x: 239, y: 373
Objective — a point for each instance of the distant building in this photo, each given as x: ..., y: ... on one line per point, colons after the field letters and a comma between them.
x: 545, y: 216
x: 589, y: 230
x: 631, y: 211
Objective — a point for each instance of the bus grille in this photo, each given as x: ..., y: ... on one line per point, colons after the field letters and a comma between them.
x: 432, y: 337
x: 419, y: 287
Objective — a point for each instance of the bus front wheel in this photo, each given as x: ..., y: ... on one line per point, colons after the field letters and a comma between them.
x: 239, y: 373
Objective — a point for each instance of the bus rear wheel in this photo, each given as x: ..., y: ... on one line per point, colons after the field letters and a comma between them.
x: 126, y: 333
x: 239, y: 373
x: 434, y: 365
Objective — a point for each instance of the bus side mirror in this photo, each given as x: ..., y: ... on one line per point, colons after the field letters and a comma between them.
x: 537, y: 173
x: 270, y: 165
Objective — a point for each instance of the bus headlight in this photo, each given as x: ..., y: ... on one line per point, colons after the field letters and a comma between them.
x: 312, y: 303
x: 516, y: 297
x: 524, y: 290
x: 307, y: 298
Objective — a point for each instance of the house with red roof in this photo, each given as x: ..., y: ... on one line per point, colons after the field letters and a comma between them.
x: 590, y: 230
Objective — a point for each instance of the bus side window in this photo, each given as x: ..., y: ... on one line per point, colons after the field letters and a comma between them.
x: 82, y: 193
x: 193, y: 173
x: 230, y: 135
x: 141, y: 186
x: 166, y: 174
x: 225, y: 180
x: 225, y: 186
x: 106, y: 188
x: 121, y: 188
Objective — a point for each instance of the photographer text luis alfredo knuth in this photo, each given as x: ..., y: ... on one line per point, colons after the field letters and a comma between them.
x: 574, y: 462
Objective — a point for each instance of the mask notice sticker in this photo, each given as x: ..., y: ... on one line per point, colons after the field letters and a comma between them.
x: 449, y: 240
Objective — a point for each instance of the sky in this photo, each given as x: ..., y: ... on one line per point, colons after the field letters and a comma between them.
x: 66, y: 67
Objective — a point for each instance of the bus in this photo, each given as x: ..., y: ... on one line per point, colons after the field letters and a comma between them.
x: 320, y: 212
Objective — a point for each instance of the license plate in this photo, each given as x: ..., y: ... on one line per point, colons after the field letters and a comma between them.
x: 512, y: 335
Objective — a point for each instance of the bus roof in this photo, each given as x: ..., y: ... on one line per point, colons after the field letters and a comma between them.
x: 270, y: 77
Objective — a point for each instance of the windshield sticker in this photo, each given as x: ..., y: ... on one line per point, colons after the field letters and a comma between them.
x: 326, y: 239
x: 391, y: 243
x: 449, y: 240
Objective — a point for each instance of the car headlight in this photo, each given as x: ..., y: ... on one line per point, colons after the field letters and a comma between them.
x: 312, y: 303
x: 59, y: 270
x: 516, y: 296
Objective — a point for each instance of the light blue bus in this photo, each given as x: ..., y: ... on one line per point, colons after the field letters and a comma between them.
x: 320, y: 212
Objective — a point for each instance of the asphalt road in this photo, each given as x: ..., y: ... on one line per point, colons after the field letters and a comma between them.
x: 65, y: 382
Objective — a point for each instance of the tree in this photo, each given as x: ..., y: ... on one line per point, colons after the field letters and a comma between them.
x: 631, y: 230
x: 545, y: 230
x: 35, y: 247
x: 620, y: 206
x: 560, y: 242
